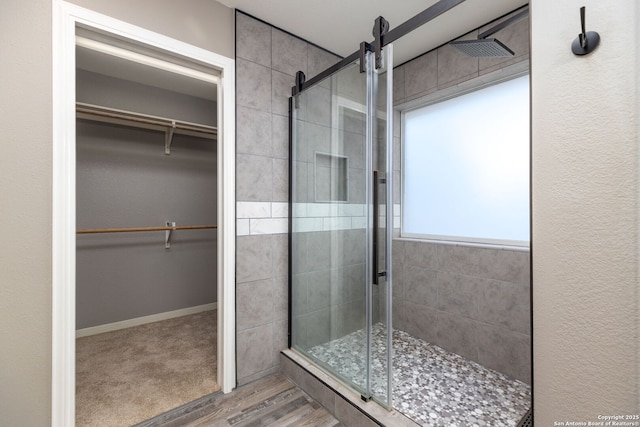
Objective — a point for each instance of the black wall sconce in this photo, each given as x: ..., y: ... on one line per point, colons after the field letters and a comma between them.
x: 586, y: 41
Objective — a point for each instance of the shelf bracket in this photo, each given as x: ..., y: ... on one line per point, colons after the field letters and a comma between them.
x: 168, y: 138
x: 167, y: 234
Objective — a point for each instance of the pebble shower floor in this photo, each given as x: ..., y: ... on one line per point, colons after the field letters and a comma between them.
x: 432, y: 386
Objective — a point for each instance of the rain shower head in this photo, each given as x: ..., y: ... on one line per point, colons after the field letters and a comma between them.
x: 482, y: 48
x: 489, y: 47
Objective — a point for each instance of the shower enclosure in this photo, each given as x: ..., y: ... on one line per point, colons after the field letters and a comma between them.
x: 462, y: 310
x: 341, y: 282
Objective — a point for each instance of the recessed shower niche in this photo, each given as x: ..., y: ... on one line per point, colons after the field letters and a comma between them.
x: 331, y: 177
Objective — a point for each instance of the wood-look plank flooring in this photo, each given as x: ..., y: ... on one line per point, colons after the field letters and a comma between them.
x: 271, y: 401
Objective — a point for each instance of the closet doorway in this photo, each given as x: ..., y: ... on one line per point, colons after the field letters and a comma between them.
x: 146, y: 247
x: 143, y: 220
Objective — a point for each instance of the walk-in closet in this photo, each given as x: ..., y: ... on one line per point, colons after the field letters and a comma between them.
x: 146, y: 215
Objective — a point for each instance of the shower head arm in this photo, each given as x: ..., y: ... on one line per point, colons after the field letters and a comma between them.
x: 504, y: 24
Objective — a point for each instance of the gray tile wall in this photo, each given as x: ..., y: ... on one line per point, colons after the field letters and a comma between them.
x: 329, y: 300
x: 468, y: 312
x: 266, y: 60
x: 328, y: 282
x: 472, y: 301
x: 469, y: 300
x: 447, y: 70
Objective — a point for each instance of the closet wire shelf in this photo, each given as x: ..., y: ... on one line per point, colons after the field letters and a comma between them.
x: 128, y: 118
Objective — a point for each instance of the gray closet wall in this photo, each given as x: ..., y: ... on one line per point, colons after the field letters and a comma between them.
x: 124, y: 179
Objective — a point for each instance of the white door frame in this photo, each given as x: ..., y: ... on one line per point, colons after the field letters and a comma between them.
x: 65, y: 18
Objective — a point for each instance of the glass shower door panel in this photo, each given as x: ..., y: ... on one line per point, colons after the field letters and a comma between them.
x: 381, y: 325
x: 330, y: 227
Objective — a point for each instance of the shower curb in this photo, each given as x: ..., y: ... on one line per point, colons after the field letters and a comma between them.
x: 329, y: 391
x: 342, y: 402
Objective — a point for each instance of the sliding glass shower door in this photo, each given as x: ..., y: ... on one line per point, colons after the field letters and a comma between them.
x: 340, y: 316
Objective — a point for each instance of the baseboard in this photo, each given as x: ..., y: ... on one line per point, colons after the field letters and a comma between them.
x: 94, y: 330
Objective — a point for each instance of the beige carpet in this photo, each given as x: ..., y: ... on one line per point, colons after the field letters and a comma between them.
x: 127, y: 376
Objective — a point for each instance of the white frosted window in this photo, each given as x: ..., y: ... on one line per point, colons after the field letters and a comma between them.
x: 466, y: 167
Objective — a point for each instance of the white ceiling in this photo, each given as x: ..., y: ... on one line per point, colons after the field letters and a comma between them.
x: 340, y: 25
x: 336, y: 25
x: 98, y: 62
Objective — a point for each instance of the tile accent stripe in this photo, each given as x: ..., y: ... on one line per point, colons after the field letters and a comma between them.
x: 272, y: 217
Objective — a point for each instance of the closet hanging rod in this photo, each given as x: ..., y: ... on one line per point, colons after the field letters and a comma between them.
x: 89, y: 111
x: 139, y: 229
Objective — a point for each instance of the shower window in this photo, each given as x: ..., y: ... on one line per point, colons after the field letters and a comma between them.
x: 466, y: 167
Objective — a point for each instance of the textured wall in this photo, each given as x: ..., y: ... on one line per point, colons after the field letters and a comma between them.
x: 25, y: 177
x: 266, y: 60
x: 468, y: 300
x: 585, y: 212
x: 124, y: 179
x: 25, y: 200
